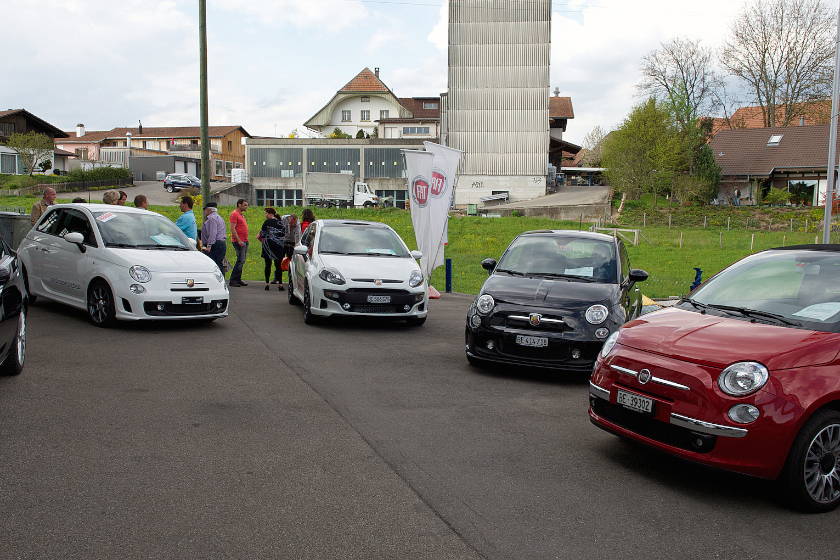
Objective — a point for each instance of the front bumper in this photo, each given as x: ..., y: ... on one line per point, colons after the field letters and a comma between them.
x: 356, y: 299
x: 169, y: 297
x: 689, y: 417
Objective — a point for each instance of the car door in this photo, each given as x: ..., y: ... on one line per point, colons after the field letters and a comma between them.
x: 631, y: 295
x: 64, y: 266
x: 302, y: 262
x: 37, y: 247
x: 11, y: 297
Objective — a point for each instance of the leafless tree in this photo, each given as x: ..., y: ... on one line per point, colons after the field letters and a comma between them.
x: 593, y: 144
x: 782, y: 52
x: 682, y: 73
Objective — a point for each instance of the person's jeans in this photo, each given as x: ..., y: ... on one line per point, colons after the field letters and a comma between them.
x: 241, y: 253
x: 217, y: 253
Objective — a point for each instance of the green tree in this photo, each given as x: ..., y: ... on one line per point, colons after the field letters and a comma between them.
x: 32, y: 148
x: 337, y: 133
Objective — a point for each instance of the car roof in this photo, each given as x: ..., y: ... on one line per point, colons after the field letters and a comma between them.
x: 335, y: 222
x: 571, y: 233
x: 827, y: 247
x: 106, y: 208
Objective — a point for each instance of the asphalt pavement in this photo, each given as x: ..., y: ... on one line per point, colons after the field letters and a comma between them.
x: 153, y: 190
x: 257, y: 436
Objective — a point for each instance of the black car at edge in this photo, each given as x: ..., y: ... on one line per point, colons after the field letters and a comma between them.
x: 552, y: 299
x: 14, y: 304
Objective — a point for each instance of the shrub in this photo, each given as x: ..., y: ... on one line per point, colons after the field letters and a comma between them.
x: 776, y: 197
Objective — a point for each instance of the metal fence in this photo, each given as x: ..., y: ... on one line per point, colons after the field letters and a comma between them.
x: 71, y: 187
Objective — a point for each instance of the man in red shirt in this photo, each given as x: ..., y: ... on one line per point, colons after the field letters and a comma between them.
x: 239, y: 238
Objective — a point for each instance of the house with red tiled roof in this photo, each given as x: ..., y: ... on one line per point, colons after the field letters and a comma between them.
x: 365, y: 103
x: 168, y: 149
x: 21, y: 121
x: 814, y: 112
x: 792, y: 158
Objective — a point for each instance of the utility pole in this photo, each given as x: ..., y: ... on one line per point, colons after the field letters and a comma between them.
x: 205, y: 133
x: 832, y: 138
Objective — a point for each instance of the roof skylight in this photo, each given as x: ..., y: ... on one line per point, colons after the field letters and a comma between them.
x: 775, y: 139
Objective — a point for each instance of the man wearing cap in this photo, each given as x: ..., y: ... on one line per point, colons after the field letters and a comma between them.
x: 213, y: 234
x: 41, y: 206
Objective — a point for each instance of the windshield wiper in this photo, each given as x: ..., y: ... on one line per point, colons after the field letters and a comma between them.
x: 697, y: 305
x: 755, y: 313
x: 163, y: 247
x: 332, y: 253
x: 514, y: 272
x: 122, y: 245
x: 567, y: 276
x: 367, y: 254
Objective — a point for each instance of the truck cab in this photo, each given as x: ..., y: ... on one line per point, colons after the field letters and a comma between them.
x: 363, y: 196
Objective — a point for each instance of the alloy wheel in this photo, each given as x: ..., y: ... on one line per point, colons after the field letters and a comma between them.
x: 822, y: 465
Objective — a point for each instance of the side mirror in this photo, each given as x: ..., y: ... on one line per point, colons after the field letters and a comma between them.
x: 76, y: 238
x: 637, y: 275
x: 416, y: 255
x: 192, y: 242
x: 301, y: 250
x: 489, y: 265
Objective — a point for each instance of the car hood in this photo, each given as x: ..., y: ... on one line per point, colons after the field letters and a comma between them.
x: 540, y: 291
x: 721, y: 341
x: 159, y: 260
x: 377, y: 268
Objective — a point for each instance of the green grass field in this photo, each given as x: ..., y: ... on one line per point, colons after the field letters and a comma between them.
x: 473, y: 239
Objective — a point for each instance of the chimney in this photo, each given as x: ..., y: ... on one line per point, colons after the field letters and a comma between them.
x: 140, y: 128
x: 801, y: 121
x: 557, y: 92
x: 80, y: 130
x: 376, y: 71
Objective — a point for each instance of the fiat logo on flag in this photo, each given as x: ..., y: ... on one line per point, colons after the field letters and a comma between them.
x: 420, y: 190
x: 438, y: 182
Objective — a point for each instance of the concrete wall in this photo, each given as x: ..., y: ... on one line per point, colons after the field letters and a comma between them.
x: 472, y: 187
x: 230, y: 195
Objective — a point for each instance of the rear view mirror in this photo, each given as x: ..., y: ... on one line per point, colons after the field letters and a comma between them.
x: 416, y: 255
x: 637, y: 275
x: 301, y: 250
x: 77, y: 239
x: 489, y: 265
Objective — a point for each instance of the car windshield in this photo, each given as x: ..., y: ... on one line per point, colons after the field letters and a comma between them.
x: 358, y: 239
x: 139, y: 230
x: 794, y: 288
x: 585, y: 259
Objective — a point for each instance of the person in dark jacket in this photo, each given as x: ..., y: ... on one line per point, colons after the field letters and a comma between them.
x: 271, y: 236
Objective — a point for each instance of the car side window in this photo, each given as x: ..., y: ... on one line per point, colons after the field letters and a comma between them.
x: 48, y: 224
x: 308, y: 236
x: 625, y: 262
x: 74, y: 221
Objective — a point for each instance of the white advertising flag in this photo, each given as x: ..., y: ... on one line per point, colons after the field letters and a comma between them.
x: 418, y: 169
x: 444, y: 172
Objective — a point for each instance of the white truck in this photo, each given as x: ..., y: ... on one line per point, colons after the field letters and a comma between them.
x: 337, y: 189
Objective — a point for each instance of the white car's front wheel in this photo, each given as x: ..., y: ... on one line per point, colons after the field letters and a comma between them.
x: 101, y: 307
x: 308, y: 317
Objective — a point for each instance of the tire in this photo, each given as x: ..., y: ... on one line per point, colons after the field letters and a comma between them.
x: 13, y: 364
x: 415, y: 321
x: 308, y: 317
x: 368, y: 204
x: 101, y: 308
x: 810, y: 480
x: 170, y: 188
x: 26, y: 285
x: 292, y: 299
x: 474, y: 361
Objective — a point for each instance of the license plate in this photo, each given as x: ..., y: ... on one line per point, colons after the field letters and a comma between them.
x: 533, y: 341
x: 192, y: 300
x: 635, y: 402
x: 379, y: 299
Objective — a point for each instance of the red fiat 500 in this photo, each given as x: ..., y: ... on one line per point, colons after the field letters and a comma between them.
x: 743, y: 375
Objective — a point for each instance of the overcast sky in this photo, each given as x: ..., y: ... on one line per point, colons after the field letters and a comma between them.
x: 274, y: 63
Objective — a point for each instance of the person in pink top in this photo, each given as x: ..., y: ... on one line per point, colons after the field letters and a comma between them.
x: 239, y: 238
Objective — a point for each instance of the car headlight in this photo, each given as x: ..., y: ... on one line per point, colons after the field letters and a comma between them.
x: 485, y: 304
x: 332, y: 276
x: 743, y: 378
x: 140, y: 273
x: 415, y: 279
x: 597, y: 314
x: 609, y: 344
x: 219, y: 276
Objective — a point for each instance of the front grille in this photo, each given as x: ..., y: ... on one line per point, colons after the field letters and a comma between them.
x: 189, y: 289
x: 649, y: 427
x: 375, y: 308
x: 376, y: 291
x: 180, y: 309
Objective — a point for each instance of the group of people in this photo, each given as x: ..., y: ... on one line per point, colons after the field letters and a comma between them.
x: 278, y: 235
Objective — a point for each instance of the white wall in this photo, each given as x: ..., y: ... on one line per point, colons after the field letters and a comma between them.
x: 356, y: 106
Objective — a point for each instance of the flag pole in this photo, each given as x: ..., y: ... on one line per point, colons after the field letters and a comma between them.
x: 832, y: 138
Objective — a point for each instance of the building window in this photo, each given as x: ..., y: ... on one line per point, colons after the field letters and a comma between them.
x: 345, y: 116
x: 218, y: 167
x: 230, y: 145
x: 415, y: 130
x: 168, y: 145
x: 279, y: 197
x: 383, y: 114
x: 365, y: 115
x: 430, y: 105
x: 398, y: 196
x: 7, y: 129
x: 8, y: 164
x: 81, y: 153
x: 193, y: 142
x: 775, y: 139
x: 148, y: 144
x: 228, y: 167
x: 365, y: 99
